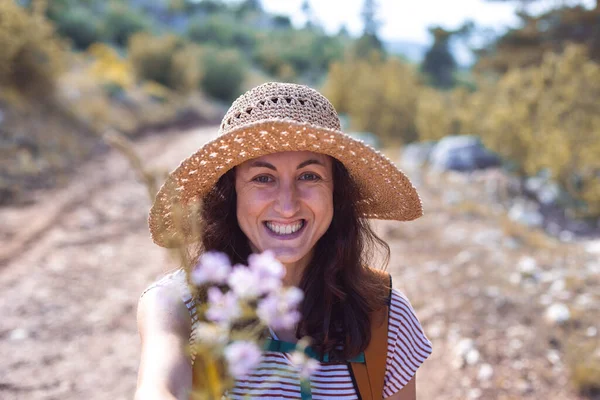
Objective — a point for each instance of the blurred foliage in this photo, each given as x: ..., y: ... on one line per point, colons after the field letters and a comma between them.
x: 292, y: 54
x: 167, y: 60
x: 121, y: 22
x: 379, y: 95
x: 545, y: 117
x: 439, y: 64
x: 551, y: 31
x: 224, y: 72
x: 32, y: 56
x: 222, y: 30
x: 109, y: 68
x: 80, y: 25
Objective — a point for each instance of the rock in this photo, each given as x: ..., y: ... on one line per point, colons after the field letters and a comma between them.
x: 416, y: 155
x: 553, y: 356
x: 18, y: 334
x: 592, y: 331
x: 452, y: 197
x: 472, y: 357
x: 462, y: 153
x: 485, y: 372
x: 557, y: 314
x: 528, y: 272
x: 566, y: 236
x: 474, y: 394
x: 557, y: 286
x: 544, y: 190
x: 592, y: 247
x: 465, y: 353
x: 526, y: 213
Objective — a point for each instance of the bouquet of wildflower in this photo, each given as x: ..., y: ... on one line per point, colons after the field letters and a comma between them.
x: 238, y: 305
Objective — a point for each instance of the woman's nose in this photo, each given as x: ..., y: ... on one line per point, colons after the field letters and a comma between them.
x: 287, y: 203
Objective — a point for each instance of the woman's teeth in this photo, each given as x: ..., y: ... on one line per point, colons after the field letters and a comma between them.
x: 285, y: 229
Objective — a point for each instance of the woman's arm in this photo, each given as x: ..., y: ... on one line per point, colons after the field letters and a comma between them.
x: 408, y: 392
x: 164, y: 325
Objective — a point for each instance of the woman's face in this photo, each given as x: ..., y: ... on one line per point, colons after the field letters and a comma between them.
x: 285, y: 203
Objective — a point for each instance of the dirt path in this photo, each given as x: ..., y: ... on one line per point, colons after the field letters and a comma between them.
x: 73, y: 265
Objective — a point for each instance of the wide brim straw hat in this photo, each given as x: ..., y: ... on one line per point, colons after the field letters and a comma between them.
x: 272, y: 118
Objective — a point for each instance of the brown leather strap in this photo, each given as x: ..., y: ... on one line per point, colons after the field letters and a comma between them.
x: 370, y: 376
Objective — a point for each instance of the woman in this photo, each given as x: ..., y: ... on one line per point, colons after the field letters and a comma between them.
x: 281, y: 176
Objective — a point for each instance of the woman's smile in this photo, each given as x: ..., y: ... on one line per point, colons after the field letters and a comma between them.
x: 285, y: 231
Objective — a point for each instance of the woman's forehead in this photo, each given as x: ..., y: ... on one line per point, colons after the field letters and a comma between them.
x: 290, y: 157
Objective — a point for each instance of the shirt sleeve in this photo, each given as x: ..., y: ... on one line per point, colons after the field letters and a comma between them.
x: 408, y: 347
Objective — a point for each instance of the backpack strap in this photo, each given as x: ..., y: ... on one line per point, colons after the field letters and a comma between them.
x: 369, y: 376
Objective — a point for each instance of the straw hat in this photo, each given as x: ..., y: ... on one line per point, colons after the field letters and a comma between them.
x: 271, y: 118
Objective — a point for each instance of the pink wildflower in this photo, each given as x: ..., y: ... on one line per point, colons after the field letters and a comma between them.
x: 223, y: 308
x: 242, y: 357
x: 278, y: 310
x: 213, y: 267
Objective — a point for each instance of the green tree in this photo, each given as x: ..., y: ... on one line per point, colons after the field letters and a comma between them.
x: 550, y: 31
x: 80, y: 25
x: 224, y: 72
x: 369, y: 42
x: 439, y: 64
x: 121, y: 22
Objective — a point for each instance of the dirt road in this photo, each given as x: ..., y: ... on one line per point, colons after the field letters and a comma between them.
x: 72, y: 267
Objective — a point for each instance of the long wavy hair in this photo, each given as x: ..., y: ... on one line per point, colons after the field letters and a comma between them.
x: 340, y: 288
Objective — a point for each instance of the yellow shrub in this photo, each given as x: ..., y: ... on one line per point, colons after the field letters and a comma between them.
x: 548, y: 117
x: 109, y: 68
x: 379, y: 96
x: 32, y: 56
x: 167, y: 60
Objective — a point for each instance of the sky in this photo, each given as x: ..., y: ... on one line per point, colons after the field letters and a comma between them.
x: 403, y: 19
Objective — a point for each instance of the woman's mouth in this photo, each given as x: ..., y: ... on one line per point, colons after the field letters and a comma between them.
x: 285, y: 230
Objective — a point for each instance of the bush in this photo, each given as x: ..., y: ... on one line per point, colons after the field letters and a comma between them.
x: 167, y: 60
x: 221, y: 30
x: 80, y: 25
x: 224, y: 73
x: 32, y: 55
x: 306, y: 52
x: 120, y: 23
x: 540, y: 118
x: 379, y: 96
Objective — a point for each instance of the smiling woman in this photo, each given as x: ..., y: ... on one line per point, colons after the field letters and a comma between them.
x: 282, y: 177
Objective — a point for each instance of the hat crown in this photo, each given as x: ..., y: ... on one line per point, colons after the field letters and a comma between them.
x: 280, y: 101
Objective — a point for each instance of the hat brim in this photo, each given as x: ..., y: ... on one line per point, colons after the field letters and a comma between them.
x: 385, y: 191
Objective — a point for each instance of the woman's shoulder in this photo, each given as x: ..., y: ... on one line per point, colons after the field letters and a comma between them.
x: 174, y: 282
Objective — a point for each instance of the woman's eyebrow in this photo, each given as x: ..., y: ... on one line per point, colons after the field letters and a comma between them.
x: 262, y: 164
x: 309, y: 162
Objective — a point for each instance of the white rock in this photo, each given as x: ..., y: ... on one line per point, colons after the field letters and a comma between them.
x: 557, y: 286
x: 593, y: 247
x: 472, y: 357
x: 526, y: 214
x: 18, y: 334
x: 566, y: 236
x: 591, y: 331
x: 474, y: 394
x: 465, y: 353
x: 553, y: 356
x: 557, y: 313
x: 528, y: 265
x: 485, y: 372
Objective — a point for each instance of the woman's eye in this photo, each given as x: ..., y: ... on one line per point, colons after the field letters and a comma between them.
x: 263, y: 179
x: 309, y: 176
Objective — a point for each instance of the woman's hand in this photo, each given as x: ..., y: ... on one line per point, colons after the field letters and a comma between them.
x: 164, y: 325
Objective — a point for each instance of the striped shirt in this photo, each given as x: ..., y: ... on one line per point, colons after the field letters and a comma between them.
x: 277, y: 378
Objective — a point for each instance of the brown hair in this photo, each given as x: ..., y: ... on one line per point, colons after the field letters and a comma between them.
x: 340, y: 290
